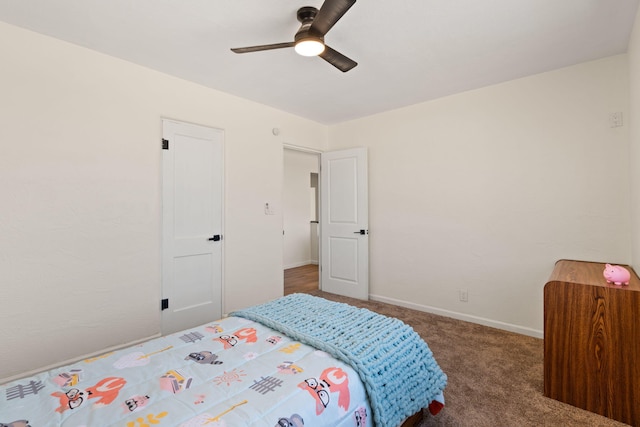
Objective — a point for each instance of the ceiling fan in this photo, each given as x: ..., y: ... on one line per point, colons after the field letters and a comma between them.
x: 309, y: 40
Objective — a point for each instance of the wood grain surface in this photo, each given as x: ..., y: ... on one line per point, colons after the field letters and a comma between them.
x: 592, y: 341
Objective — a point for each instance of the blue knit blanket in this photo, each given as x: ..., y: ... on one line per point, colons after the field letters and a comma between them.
x: 396, y: 366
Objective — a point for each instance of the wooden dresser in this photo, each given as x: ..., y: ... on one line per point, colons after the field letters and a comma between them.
x: 592, y: 341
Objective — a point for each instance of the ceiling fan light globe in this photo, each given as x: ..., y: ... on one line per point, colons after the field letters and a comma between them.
x: 309, y: 47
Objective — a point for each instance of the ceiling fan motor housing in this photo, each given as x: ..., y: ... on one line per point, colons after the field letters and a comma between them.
x: 307, y: 13
x: 306, y: 16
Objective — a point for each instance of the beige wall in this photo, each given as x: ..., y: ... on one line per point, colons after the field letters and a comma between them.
x: 634, y: 138
x: 485, y: 190
x: 80, y: 218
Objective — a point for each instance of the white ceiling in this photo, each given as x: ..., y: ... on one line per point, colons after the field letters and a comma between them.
x: 408, y: 51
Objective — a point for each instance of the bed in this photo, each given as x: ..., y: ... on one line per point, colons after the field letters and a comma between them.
x: 298, y: 360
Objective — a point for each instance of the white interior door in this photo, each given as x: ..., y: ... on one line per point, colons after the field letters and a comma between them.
x: 192, y: 194
x: 344, y: 223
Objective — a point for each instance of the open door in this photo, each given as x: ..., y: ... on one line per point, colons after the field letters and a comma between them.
x: 344, y: 223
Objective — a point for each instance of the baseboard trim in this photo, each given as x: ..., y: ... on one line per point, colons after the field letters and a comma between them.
x: 461, y: 316
x: 77, y: 359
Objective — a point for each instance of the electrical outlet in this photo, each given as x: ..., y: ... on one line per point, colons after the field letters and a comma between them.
x: 464, y: 295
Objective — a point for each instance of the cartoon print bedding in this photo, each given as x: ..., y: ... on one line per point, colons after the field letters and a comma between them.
x: 231, y: 372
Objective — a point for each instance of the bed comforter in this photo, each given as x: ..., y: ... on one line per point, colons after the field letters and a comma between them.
x: 398, y: 369
x: 232, y: 372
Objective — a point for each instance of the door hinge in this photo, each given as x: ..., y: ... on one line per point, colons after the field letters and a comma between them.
x: 165, y: 144
x: 164, y: 304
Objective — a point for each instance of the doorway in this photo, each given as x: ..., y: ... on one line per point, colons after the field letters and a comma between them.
x: 300, y: 219
x: 341, y: 205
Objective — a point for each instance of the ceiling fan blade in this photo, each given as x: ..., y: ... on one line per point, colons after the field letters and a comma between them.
x: 330, y: 12
x: 262, y: 47
x: 337, y: 59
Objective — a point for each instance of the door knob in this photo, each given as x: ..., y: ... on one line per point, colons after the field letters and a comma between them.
x: 215, y: 237
x: 363, y: 232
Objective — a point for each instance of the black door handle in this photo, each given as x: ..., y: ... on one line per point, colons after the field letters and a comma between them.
x: 215, y: 238
x: 363, y: 232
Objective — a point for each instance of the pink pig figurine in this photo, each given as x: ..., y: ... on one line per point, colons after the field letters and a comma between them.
x: 616, y: 274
